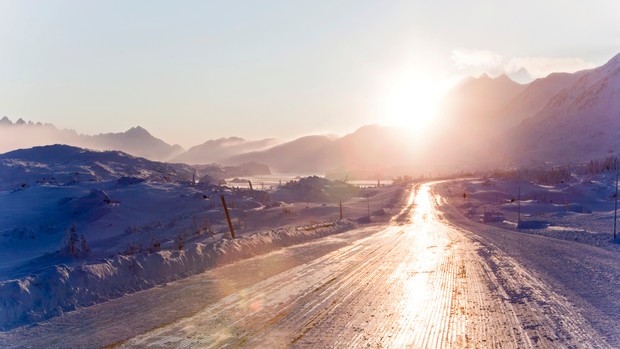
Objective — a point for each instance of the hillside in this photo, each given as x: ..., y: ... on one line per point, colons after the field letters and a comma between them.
x: 67, y: 165
x: 561, y: 118
x: 579, y: 123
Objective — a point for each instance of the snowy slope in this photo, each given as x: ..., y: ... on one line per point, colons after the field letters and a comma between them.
x: 45, y: 190
x: 137, y: 223
x: 579, y: 123
x: 66, y: 165
x: 561, y: 118
x: 535, y: 97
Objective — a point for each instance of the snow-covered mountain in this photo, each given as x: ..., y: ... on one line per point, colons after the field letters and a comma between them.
x: 578, y: 123
x: 483, y: 121
x: 135, y: 141
x: 215, y: 151
x: 561, y: 118
x: 535, y: 97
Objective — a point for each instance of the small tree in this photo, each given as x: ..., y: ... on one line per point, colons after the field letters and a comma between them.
x: 71, y: 246
x: 155, y: 245
x: 206, y: 226
x: 84, y: 244
x: 180, y: 241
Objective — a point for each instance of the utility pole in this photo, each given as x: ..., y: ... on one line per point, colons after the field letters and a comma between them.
x: 340, y: 210
x: 616, y: 206
x: 519, y: 208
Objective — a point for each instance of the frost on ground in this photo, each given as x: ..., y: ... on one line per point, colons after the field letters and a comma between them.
x: 80, y: 227
x: 579, y: 209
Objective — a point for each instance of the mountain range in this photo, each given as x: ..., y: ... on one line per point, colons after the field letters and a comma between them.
x: 218, y: 150
x: 136, y: 141
x: 484, y: 121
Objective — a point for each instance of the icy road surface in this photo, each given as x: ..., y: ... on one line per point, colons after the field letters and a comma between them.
x: 419, y: 282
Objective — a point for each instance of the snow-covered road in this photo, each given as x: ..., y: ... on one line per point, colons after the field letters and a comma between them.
x: 419, y: 282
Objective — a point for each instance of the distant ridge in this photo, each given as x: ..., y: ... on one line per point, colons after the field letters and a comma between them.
x: 483, y: 122
x: 373, y: 150
x: 136, y: 141
x: 216, y: 151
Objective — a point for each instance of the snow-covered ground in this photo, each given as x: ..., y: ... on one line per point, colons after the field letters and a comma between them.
x: 430, y: 277
x: 138, y: 224
x: 580, y: 209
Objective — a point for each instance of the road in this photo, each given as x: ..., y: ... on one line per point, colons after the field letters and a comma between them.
x: 421, y: 281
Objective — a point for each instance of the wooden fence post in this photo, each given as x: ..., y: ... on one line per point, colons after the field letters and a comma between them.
x: 232, y: 231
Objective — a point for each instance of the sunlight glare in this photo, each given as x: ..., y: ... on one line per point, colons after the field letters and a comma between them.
x: 411, y: 102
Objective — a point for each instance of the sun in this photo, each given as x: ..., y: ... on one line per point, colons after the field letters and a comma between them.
x: 411, y: 102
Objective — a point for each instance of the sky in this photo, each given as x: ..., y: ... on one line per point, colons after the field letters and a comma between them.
x: 190, y: 71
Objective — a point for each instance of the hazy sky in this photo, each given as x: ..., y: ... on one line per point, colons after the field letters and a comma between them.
x: 189, y: 71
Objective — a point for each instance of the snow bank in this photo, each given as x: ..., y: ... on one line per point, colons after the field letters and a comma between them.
x: 62, y: 288
x: 580, y: 210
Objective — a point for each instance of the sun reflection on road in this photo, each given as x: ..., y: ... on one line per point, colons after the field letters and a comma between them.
x: 423, y: 204
x: 423, y: 298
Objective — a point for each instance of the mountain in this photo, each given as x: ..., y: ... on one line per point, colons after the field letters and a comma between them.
x: 561, y: 118
x: 371, y: 150
x: 579, y: 123
x: 136, y: 141
x: 473, y: 105
x: 521, y: 76
x: 298, y: 156
x: 535, y: 97
x: 216, y: 151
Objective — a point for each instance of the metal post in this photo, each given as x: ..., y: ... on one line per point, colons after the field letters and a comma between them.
x: 340, y: 209
x: 232, y: 231
x: 519, y: 208
x: 616, y: 206
x: 368, y: 202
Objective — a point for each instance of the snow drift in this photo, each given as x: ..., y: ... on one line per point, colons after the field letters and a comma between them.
x: 62, y: 288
